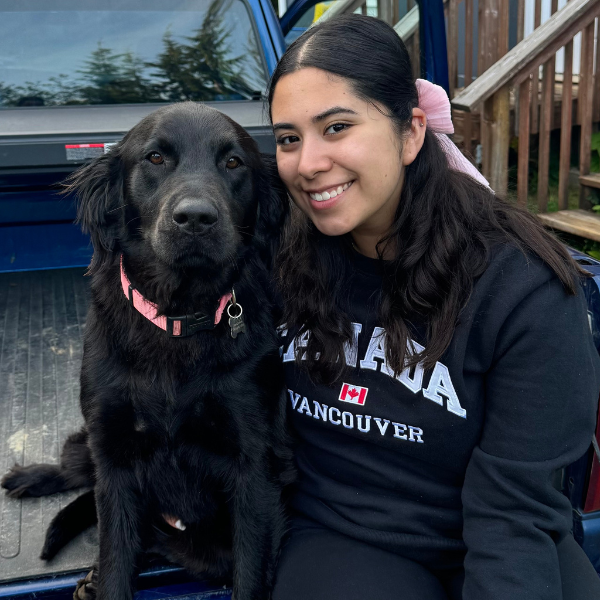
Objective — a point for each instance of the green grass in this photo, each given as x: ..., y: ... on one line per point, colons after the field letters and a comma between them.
x: 582, y: 244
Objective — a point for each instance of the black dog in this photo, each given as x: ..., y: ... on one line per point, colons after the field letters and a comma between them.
x: 184, y: 438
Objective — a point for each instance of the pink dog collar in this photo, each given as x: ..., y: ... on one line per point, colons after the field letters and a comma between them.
x: 175, y: 326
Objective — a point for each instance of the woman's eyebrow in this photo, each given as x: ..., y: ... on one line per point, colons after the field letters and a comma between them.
x: 277, y: 126
x: 334, y: 110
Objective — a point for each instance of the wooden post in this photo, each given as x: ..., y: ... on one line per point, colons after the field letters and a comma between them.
x: 417, y: 54
x: 488, y: 48
x: 487, y: 119
x: 536, y: 76
x: 566, y: 125
x: 596, y: 100
x: 482, y: 26
x: 520, y: 35
x: 500, y: 141
x: 492, y: 51
x: 586, y: 80
x: 495, y: 122
x: 553, y: 9
x: 520, y: 20
x: 544, y: 141
x: 503, y: 16
x: 452, y: 45
x: 523, y: 159
x: 468, y: 119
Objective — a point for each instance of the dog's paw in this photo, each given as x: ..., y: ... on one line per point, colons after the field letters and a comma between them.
x: 86, y: 587
x: 16, y: 482
x: 33, y: 480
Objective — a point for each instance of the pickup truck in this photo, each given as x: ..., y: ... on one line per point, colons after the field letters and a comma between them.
x: 74, y: 77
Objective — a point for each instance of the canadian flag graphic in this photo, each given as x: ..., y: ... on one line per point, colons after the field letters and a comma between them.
x: 353, y: 394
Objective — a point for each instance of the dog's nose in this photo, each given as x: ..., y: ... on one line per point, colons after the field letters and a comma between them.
x: 194, y: 216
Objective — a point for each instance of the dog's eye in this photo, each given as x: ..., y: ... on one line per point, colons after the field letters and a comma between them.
x: 233, y: 163
x: 155, y: 158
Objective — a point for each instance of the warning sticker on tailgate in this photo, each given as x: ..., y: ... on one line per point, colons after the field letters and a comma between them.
x: 79, y: 152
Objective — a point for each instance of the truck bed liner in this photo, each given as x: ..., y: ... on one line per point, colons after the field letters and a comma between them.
x: 42, y: 318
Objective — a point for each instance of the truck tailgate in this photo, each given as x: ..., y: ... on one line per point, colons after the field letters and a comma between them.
x: 36, y: 138
x: 42, y: 317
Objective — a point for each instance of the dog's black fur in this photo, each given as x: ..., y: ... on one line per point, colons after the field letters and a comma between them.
x: 193, y: 427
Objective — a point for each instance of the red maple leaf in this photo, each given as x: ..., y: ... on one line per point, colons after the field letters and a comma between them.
x: 352, y: 393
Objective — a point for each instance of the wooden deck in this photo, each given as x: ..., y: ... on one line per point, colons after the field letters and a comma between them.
x: 590, y: 180
x: 577, y: 222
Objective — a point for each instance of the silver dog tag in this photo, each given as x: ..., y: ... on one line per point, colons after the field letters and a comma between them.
x: 236, y: 321
x: 237, y: 326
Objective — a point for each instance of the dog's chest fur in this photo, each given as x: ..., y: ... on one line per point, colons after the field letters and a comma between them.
x: 180, y: 407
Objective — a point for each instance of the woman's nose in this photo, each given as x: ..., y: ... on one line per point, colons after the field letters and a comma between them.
x: 314, y: 158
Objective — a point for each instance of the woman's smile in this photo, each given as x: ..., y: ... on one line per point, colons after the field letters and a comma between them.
x: 329, y: 196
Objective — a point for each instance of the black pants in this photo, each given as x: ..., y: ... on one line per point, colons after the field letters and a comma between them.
x: 320, y: 564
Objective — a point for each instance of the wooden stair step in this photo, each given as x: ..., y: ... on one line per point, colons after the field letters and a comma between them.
x: 590, y: 180
x: 578, y: 222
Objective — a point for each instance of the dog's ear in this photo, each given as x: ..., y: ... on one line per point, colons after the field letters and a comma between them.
x: 273, y: 208
x: 99, y: 188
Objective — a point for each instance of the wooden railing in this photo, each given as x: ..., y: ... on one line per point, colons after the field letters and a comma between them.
x: 480, y: 44
x: 516, y: 74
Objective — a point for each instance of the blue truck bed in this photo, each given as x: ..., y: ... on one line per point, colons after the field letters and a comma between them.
x: 42, y: 319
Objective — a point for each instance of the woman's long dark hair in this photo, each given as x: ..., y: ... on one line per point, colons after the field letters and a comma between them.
x: 442, y: 232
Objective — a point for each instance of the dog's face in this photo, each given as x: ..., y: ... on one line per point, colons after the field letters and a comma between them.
x: 186, y: 186
x: 189, y: 185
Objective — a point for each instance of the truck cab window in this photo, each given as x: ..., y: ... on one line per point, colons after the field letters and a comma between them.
x: 74, y: 52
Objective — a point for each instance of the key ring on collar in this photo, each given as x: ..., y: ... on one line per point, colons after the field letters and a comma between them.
x: 234, y: 304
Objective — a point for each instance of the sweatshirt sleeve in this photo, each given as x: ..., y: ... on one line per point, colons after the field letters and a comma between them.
x: 541, y: 394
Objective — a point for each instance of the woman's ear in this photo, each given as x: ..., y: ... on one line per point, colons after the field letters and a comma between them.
x: 413, y: 142
x: 98, y: 187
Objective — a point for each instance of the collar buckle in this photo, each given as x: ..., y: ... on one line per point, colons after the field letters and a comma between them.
x: 189, y: 324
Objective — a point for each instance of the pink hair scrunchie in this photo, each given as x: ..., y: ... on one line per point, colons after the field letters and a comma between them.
x: 434, y: 102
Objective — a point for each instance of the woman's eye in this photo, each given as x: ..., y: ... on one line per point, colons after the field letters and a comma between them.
x: 336, y: 128
x: 155, y: 158
x: 233, y: 163
x: 286, y: 140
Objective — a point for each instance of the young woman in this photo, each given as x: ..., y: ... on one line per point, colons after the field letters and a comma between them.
x: 440, y: 368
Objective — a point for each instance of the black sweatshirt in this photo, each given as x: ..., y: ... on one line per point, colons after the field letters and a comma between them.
x: 461, y: 458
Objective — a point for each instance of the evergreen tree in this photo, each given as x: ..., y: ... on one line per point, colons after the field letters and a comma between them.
x: 254, y: 67
x: 134, y: 86
x: 63, y: 90
x: 202, y: 68
x: 170, y: 69
x: 9, y: 94
x: 56, y: 91
x: 101, y: 76
x: 109, y: 78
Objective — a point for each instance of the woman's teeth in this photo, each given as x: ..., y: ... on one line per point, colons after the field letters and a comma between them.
x: 332, y: 193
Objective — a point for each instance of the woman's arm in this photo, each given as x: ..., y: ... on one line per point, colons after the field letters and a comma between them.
x: 540, y: 406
